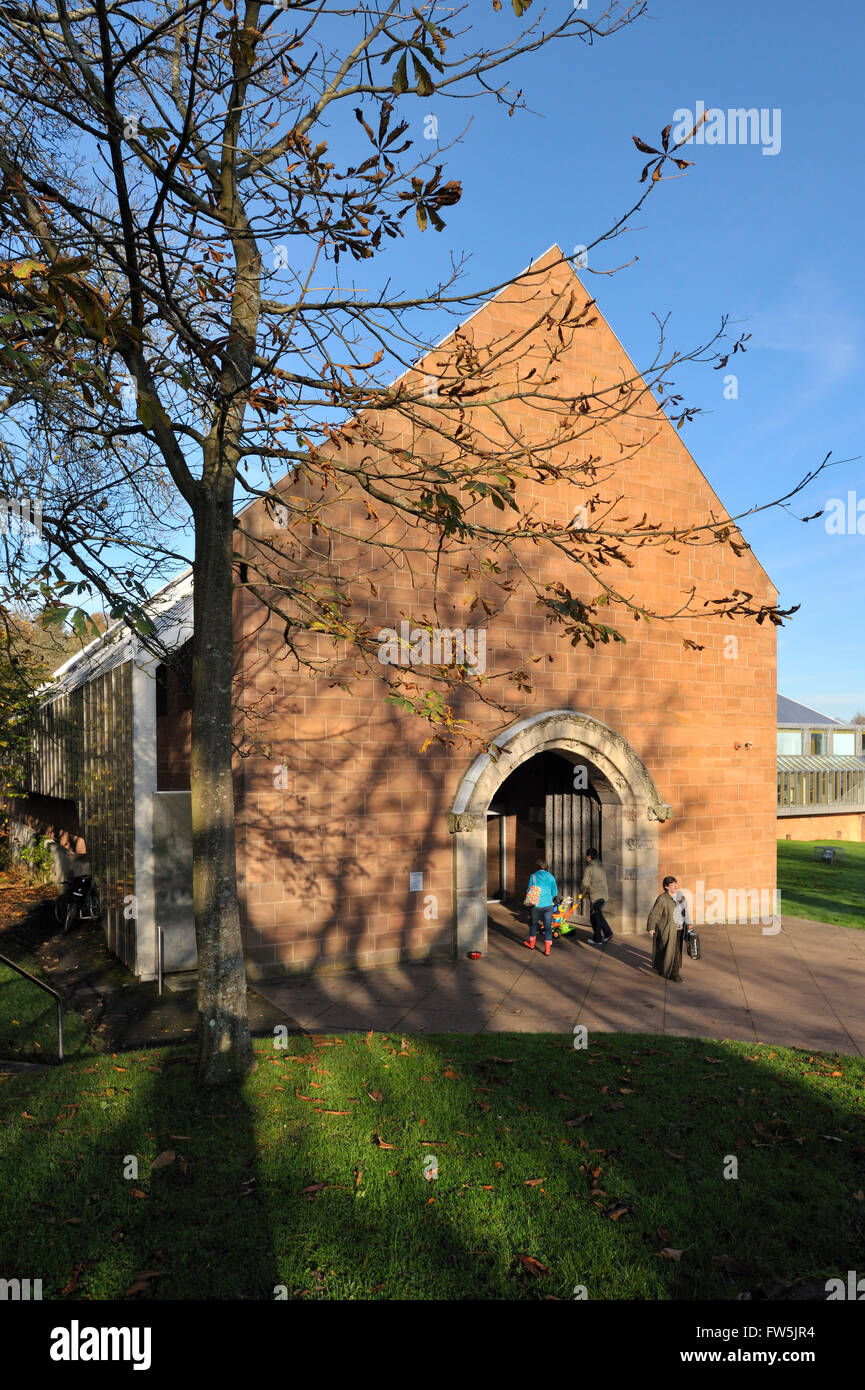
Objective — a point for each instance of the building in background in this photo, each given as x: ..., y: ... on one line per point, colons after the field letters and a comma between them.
x: 821, y: 775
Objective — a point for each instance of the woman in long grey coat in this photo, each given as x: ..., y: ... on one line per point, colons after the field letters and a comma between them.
x: 663, y: 926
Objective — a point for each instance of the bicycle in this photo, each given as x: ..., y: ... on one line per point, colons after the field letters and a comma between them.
x: 80, y: 902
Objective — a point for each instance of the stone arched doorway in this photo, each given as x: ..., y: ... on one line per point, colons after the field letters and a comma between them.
x: 631, y: 806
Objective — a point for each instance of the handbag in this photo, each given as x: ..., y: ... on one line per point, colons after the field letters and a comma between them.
x: 533, y: 895
x: 692, y: 942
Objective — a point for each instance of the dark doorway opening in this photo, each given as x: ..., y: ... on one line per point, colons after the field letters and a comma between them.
x: 546, y: 809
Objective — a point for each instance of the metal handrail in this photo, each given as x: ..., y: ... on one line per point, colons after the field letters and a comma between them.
x: 42, y: 985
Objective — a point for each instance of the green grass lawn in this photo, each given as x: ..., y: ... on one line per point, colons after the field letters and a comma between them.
x: 822, y: 892
x: 28, y: 1019
x: 312, y: 1174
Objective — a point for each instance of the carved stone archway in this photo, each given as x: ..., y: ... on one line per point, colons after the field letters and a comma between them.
x: 632, y: 812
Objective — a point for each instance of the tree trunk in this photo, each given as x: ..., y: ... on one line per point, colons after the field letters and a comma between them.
x: 225, y: 1046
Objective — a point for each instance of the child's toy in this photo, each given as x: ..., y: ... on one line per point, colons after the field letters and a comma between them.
x: 561, y: 917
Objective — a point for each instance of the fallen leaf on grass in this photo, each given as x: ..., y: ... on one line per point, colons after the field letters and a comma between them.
x: 578, y: 1119
x: 180, y: 1136
x: 533, y: 1182
x: 140, y: 1285
x: 452, y: 1075
x: 668, y: 1254
x: 727, y: 1262
x: 334, y: 1112
x: 502, y: 1059
x: 615, y: 1105
x: 534, y: 1266
x: 375, y: 1095
x: 313, y: 1189
x: 681, y: 1157
x: 859, y: 1196
x: 163, y: 1160
x: 136, y: 1192
x: 377, y: 1139
x: 73, y: 1282
x: 616, y: 1210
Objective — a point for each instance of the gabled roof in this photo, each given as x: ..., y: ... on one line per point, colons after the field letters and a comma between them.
x: 791, y: 712
x: 171, y: 606
x: 170, y: 610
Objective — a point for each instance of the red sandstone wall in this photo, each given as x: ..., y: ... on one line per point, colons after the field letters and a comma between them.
x: 173, y: 732
x: 849, y: 826
x: 327, y: 856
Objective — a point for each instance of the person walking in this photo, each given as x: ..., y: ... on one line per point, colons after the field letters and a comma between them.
x: 666, y: 925
x: 594, y: 887
x: 546, y: 891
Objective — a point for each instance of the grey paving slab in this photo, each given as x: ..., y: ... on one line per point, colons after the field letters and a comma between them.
x: 803, y: 986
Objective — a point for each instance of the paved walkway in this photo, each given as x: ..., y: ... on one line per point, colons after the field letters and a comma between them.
x: 804, y: 987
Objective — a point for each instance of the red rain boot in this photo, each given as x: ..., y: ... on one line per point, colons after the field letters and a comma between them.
x: 530, y: 943
x: 548, y: 946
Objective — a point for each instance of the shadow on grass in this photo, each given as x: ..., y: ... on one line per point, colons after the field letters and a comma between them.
x: 355, y: 1169
x: 87, y: 1212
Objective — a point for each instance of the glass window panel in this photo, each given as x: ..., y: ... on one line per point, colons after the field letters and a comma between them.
x: 790, y: 741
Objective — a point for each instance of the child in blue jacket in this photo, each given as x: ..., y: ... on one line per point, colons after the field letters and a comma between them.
x: 542, y: 879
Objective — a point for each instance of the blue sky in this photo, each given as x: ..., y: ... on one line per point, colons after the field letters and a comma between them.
x: 771, y: 240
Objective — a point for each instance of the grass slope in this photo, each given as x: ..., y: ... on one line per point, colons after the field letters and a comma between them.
x: 822, y: 892
x: 311, y: 1175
